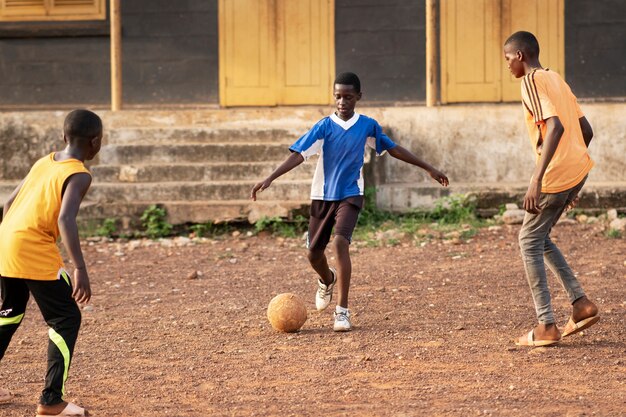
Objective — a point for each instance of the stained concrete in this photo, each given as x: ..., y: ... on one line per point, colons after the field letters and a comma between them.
x: 484, y: 149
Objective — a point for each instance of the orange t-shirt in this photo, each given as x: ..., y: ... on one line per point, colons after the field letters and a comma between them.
x: 545, y: 94
x: 29, y: 231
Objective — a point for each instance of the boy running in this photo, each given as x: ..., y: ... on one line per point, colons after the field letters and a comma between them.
x: 41, y: 208
x: 560, y: 135
x: 337, y: 189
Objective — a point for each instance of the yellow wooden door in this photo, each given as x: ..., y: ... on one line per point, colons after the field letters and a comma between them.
x: 247, y: 53
x: 544, y: 18
x: 470, y: 51
x: 275, y: 52
x: 472, y: 35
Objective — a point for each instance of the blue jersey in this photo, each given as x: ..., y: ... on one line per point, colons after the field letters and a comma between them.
x: 341, y: 147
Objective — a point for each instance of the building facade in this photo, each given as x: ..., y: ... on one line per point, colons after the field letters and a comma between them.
x: 286, y: 52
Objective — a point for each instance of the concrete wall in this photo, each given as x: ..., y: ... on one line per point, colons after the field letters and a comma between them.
x: 595, y: 47
x: 471, y: 143
x: 384, y: 43
x: 490, y: 144
x: 169, y: 56
x: 170, y: 53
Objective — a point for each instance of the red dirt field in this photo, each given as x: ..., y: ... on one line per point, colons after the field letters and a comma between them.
x: 433, y: 334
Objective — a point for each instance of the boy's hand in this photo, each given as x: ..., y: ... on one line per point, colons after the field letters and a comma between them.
x: 440, y: 177
x: 260, y: 187
x: 572, y: 204
x: 531, y: 199
x: 82, y: 289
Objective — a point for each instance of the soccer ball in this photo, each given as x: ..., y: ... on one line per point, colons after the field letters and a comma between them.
x: 286, y: 313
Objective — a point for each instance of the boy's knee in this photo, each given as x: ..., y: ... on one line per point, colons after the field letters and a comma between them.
x: 315, y: 255
x: 340, y: 243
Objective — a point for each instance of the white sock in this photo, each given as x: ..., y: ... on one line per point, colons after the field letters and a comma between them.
x: 340, y: 309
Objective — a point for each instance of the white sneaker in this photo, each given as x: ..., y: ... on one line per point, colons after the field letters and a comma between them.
x: 324, y: 293
x: 342, y: 322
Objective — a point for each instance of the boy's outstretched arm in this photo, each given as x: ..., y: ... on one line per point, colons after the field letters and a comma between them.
x: 407, y: 156
x: 76, y: 188
x: 290, y: 163
x: 585, y: 127
x: 554, y: 132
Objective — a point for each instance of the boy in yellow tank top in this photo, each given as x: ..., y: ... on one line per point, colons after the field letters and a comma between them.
x: 559, y: 134
x: 42, y: 208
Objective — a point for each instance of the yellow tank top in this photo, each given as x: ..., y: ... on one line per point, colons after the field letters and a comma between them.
x: 29, y: 231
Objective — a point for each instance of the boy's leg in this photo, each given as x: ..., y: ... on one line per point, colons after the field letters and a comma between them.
x: 14, y: 293
x: 532, y: 240
x: 62, y: 315
x: 321, y: 222
x: 346, y: 217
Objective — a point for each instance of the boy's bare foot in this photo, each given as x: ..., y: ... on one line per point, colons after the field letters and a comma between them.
x: 584, y: 315
x: 583, y: 308
x: 51, y: 410
x: 547, y: 332
x: 62, y: 409
x: 541, y: 335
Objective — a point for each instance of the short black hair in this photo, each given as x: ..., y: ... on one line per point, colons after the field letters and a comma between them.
x: 82, y: 125
x: 525, y: 42
x: 349, y: 78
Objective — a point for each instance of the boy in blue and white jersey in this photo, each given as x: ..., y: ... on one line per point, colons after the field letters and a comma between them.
x: 337, y: 190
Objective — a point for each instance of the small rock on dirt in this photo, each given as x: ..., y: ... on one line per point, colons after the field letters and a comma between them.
x: 513, y: 216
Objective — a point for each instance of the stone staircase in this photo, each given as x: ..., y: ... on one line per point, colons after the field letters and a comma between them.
x: 198, y: 174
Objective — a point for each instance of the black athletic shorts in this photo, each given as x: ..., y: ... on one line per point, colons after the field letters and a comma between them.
x: 342, y: 215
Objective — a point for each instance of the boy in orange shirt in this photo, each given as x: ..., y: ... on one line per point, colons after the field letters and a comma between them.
x: 560, y: 135
x: 41, y: 208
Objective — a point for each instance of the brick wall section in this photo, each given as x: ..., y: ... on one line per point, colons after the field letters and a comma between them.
x: 169, y: 56
x: 384, y: 43
x: 595, y: 47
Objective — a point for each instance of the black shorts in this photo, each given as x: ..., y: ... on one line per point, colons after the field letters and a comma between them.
x: 342, y: 215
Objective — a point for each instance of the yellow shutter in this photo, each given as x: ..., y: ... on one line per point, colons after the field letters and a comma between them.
x: 275, y: 52
x: 247, y: 60
x: 470, y: 51
x: 544, y: 18
x: 24, y: 10
x: 472, y: 36
x: 15, y: 9
x: 303, y: 51
x: 77, y: 8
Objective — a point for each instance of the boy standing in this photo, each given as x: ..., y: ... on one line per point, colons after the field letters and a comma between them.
x: 337, y: 189
x: 41, y: 208
x: 560, y: 135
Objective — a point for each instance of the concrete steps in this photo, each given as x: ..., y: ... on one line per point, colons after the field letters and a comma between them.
x: 180, y: 212
x: 198, y: 171
x: 192, y: 153
x: 399, y: 197
x: 195, y: 134
x: 196, y: 191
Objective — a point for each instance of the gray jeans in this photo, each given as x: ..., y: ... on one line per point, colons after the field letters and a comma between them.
x: 538, y: 250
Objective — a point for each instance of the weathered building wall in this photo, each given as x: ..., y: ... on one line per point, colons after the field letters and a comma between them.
x: 384, y: 43
x: 489, y: 143
x: 473, y: 144
x: 595, y: 47
x: 169, y: 53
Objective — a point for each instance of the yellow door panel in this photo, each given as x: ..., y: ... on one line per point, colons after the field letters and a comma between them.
x: 275, y: 52
x: 470, y: 31
x: 247, y: 58
x: 472, y: 35
x: 305, y: 46
x: 544, y: 18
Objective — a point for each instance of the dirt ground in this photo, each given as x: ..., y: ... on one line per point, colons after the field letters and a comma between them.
x: 433, y: 333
